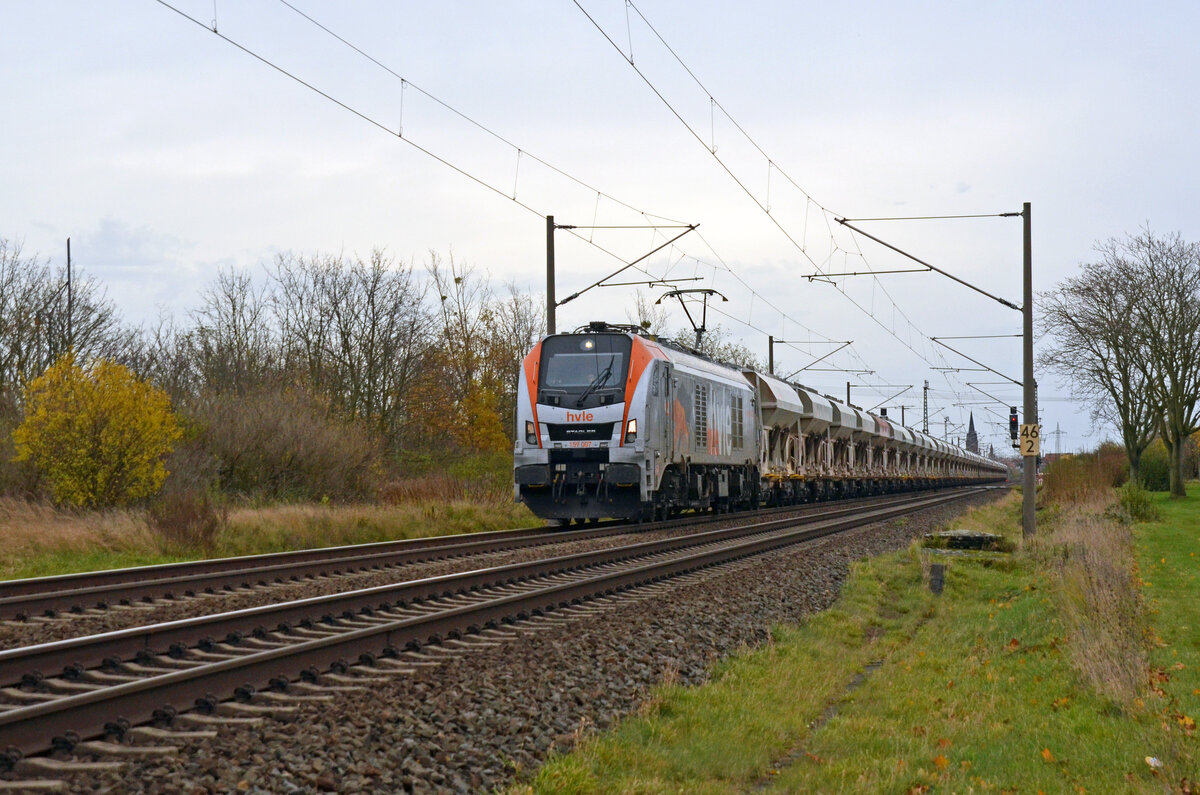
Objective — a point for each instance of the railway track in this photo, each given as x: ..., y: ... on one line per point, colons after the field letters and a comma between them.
x: 73, y: 594
x: 57, y: 694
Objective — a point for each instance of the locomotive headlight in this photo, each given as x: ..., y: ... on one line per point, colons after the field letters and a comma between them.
x: 631, y: 431
x: 530, y: 433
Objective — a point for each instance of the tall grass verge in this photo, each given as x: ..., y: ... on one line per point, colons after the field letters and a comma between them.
x: 1089, y: 559
x: 284, y: 527
x: 482, y: 478
x: 40, y: 540
x: 1086, y: 548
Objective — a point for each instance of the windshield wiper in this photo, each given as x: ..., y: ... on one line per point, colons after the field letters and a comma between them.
x: 600, y: 380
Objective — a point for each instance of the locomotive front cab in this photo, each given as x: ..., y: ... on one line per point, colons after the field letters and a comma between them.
x: 575, y: 456
x: 579, y: 372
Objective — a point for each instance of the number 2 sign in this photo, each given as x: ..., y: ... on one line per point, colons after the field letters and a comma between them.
x: 1031, y: 440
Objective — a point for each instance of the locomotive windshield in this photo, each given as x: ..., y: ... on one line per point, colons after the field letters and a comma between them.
x: 583, y: 365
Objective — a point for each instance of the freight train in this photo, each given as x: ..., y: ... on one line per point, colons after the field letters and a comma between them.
x: 613, y: 422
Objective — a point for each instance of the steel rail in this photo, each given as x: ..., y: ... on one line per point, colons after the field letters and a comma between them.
x: 70, y: 590
x: 84, y: 590
x: 35, y: 728
x: 107, y: 649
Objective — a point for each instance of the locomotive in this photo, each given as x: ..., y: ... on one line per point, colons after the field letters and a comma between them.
x: 614, y: 422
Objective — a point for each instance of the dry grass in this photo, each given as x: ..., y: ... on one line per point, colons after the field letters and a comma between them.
x: 1086, y: 547
x: 1002, y: 515
x: 41, y: 540
x: 443, y: 488
x: 26, y: 527
x: 283, y: 527
x: 1090, y: 559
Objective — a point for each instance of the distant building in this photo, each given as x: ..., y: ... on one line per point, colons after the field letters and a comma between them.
x: 972, y: 437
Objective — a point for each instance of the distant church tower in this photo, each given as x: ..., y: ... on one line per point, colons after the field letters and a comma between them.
x: 972, y: 437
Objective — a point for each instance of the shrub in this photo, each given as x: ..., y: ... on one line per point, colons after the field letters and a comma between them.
x: 99, y: 435
x: 190, y: 519
x: 1112, y: 463
x: 282, y: 443
x: 1079, y: 479
x: 1155, y: 467
x: 1135, y: 504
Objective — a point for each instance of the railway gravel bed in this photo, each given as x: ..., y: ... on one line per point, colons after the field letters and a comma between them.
x: 14, y: 634
x: 485, y: 716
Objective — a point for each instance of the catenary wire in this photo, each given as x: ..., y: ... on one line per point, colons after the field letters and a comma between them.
x: 825, y: 211
x: 497, y: 136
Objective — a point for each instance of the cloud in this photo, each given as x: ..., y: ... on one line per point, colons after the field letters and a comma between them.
x: 117, y: 247
x: 142, y: 270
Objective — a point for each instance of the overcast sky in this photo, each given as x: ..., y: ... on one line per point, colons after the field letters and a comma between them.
x: 166, y: 154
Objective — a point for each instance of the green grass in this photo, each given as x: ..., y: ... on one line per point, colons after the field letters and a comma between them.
x: 977, y: 690
x: 1169, y: 565
x: 54, y: 562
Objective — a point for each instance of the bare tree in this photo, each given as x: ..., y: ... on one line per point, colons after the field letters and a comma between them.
x: 647, y: 314
x: 356, y: 331
x: 1127, y: 335
x: 40, y: 320
x: 518, y: 323
x: 464, y: 321
x: 717, y: 344
x: 1095, y: 350
x: 232, y: 343
x: 1165, y: 270
x: 163, y: 355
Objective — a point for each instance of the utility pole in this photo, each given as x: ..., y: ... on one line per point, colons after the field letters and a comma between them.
x: 946, y: 428
x: 70, y: 302
x: 925, y: 410
x: 1030, y: 431
x: 771, y: 343
x: 550, y: 304
x: 1029, y: 463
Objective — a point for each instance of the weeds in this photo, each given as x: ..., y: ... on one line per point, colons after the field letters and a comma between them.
x: 189, y: 520
x: 443, y: 488
x: 42, y: 540
x: 1134, y: 505
x: 1089, y: 557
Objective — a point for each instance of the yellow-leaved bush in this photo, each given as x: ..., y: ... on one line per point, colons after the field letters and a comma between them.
x: 99, y: 436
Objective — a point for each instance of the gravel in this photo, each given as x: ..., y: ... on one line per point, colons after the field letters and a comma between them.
x: 490, y: 716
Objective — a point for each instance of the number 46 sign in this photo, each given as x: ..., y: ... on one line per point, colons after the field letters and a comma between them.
x: 1031, y: 440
